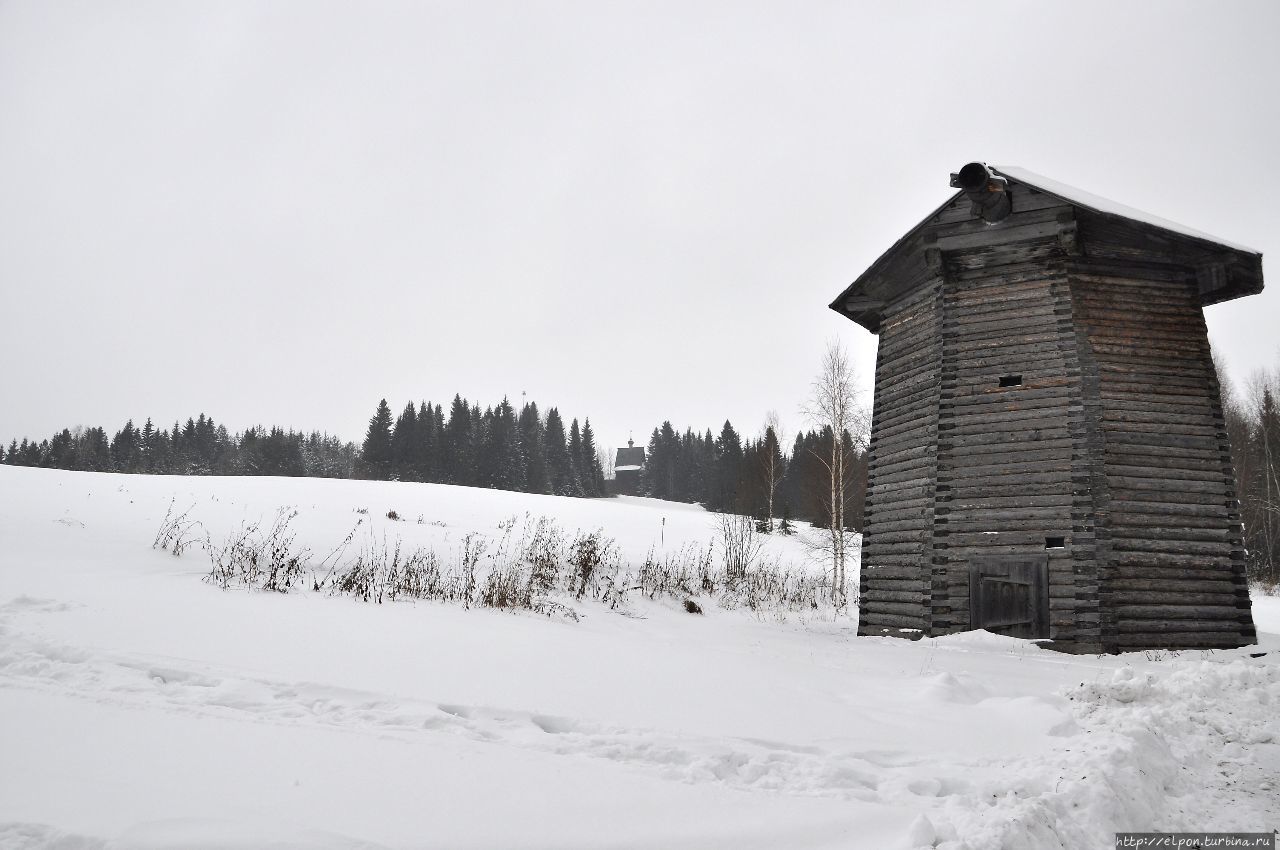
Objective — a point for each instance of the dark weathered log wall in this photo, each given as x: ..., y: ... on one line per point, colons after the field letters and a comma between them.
x: 898, y: 516
x: 1173, y: 573
x: 1013, y: 474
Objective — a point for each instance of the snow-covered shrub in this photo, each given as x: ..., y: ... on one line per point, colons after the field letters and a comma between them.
x: 684, y: 572
x: 176, y: 531
x: 740, y: 544
x: 590, y: 556
x: 473, y: 548
x: 285, y: 560
x: 1265, y: 588
x: 774, y: 587
x: 543, y: 551
x: 269, y: 559
x: 533, y: 565
x: 417, y: 575
x: 358, y: 579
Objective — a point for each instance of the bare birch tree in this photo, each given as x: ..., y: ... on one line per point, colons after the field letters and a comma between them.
x: 833, y: 405
x: 772, y: 465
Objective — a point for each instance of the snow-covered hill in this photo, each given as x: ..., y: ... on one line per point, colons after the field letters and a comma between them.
x: 143, y: 707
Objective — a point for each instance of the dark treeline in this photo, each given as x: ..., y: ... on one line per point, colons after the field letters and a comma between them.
x: 1253, y: 424
x: 201, y: 447
x: 753, y: 477
x: 496, y: 448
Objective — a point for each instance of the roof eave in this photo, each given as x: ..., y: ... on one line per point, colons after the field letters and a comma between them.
x: 868, y: 318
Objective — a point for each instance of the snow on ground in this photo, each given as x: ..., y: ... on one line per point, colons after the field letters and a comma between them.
x: 141, y: 707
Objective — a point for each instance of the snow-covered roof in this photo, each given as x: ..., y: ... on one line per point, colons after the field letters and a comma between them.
x: 631, y: 457
x: 1106, y: 206
x: 627, y: 468
x: 1224, y: 270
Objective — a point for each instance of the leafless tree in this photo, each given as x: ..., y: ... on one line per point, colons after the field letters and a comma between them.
x: 606, y: 461
x: 833, y: 404
x: 741, y: 544
x: 772, y: 466
x: 1261, y: 481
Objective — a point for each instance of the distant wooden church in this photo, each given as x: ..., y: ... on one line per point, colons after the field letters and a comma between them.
x: 627, y: 468
x: 1048, y: 452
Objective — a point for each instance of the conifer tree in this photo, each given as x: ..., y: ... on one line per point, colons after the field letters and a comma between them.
x: 375, y: 453
x: 728, y: 466
x: 503, y: 456
x: 532, y: 440
x: 61, y: 452
x: 424, y: 443
x: 436, y: 461
x: 126, y: 449
x: 147, y: 446
x: 592, y: 472
x: 575, y: 461
x: 93, y: 451
x: 459, y: 448
x: 559, y: 467
x: 404, y: 438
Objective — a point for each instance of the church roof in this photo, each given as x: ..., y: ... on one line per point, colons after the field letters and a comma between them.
x: 629, y: 458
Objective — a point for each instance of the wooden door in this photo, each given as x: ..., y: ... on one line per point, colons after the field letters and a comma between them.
x: 1009, y: 594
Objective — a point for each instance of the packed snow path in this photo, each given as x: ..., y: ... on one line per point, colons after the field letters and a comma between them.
x: 142, y: 707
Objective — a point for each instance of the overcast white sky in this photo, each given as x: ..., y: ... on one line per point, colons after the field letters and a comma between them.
x: 282, y: 212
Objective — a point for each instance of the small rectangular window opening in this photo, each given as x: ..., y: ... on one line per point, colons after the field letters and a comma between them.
x: 1010, y: 380
x: 1055, y: 543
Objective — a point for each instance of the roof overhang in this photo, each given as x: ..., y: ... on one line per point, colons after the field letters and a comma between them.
x: 1224, y: 270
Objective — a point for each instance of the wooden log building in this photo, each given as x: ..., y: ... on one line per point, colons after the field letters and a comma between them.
x: 1048, y: 452
x: 627, y: 469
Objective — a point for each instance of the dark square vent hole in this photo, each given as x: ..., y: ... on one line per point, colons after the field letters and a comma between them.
x: 1055, y: 543
x: 1010, y: 380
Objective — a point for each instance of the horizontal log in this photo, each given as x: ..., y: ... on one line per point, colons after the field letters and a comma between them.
x: 871, y: 622
x: 963, y: 506
x: 1016, y: 452
x: 1121, y: 559
x: 895, y: 551
x: 921, y: 523
x: 879, y: 583
x: 1221, y: 596
x: 1220, y: 549
x: 1176, y: 640
x: 1001, y: 523
x: 1171, y: 573
x: 876, y: 597
x: 984, y: 259
x: 911, y: 560
x: 1122, y: 532
x: 1200, y: 612
x: 1124, y: 482
x: 871, y: 606
x: 1167, y: 497
x: 1208, y: 468
x: 1170, y: 584
x: 1038, y: 483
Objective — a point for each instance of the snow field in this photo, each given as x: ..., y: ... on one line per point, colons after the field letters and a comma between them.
x: 142, y: 707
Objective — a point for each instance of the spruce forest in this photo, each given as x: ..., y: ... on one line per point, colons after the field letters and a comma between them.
x: 495, y: 447
x: 536, y: 453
